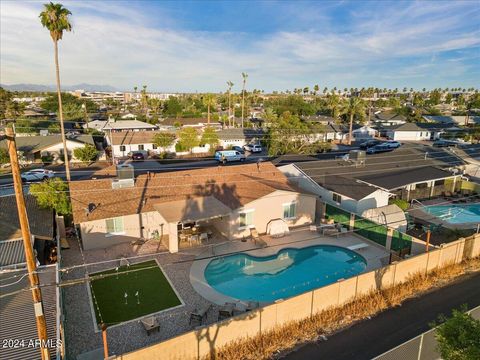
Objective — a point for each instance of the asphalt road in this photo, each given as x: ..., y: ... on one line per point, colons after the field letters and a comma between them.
x: 389, y: 329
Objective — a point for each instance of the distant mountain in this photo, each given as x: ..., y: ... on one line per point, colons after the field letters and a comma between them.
x: 40, y: 88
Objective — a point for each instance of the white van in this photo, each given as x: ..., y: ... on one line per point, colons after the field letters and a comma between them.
x: 229, y: 155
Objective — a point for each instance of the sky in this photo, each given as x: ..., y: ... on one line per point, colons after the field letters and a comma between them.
x: 174, y: 46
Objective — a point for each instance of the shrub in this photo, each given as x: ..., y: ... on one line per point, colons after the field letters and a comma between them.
x: 402, y: 204
x: 87, y: 153
x: 52, y: 194
x: 4, y: 157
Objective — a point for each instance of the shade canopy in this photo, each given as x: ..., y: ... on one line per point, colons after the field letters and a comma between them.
x: 192, y: 209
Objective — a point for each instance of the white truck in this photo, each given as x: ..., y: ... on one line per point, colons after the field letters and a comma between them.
x: 225, y: 156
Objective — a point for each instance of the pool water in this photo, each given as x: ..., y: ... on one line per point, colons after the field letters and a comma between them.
x: 456, y: 213
x: 288, y: 273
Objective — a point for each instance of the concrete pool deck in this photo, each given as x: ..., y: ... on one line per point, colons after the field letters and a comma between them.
x: 375, y: 255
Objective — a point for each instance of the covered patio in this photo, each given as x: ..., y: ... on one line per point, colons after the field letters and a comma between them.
x: 195, y: 221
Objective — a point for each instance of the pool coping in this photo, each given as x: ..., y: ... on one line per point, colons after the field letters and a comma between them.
x: 96, y: 328
x: 201, y: 286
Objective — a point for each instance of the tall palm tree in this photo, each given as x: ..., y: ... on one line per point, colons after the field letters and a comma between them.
x: 352, y: 108
x: 209, y: 100
x: 333, y: 104
x: 230, y: 85
x: 244, y: 76
x: 54, y: 17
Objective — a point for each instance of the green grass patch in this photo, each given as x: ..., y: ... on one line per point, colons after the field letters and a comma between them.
x: 155, y: 292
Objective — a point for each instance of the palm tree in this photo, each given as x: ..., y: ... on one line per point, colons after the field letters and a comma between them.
x: 54, y: 17
x: 209, y: 100
x: 230, y: 85
x: 316, y: 88
x: 333, y: 103
x: 244, y: 76
x: 352, y: 108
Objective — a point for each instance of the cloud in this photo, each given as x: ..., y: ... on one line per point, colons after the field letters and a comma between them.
x: 124, y: 46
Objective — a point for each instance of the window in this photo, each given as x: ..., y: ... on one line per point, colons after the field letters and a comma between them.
x: 140, y: 147
x: 246, y: 219
x: 115, y: 226
x: 122, y: 147
x: 337, y: 198
x: 290, y: 210
x: 154, y: 146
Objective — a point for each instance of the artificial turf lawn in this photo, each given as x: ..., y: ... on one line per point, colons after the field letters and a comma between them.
x: 155, y: 292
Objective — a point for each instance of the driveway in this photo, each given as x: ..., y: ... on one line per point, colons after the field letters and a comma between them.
x: 391, y: 328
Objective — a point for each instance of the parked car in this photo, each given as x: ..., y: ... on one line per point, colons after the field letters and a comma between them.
x: 370, y: 143
x: 379, y: 149
x: 254, y: 148
x: 37, y: 175
x: 138, y: 156
x: 239, y: 149
x: 393, y: 144
x: 443, y: 143
x: 229, y: 156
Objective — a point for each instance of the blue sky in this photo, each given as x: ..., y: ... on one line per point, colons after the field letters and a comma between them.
x: 198, y: 46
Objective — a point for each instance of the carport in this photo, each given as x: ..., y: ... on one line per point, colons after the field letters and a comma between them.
x: 185, y: 216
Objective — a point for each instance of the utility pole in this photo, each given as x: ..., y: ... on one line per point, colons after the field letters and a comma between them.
x: 27, y: 245
x: 105, y: 342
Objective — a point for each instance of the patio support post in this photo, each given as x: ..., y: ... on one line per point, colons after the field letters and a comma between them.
x: 105, y: 343
x: 388, y: 242
x: 351, y: 224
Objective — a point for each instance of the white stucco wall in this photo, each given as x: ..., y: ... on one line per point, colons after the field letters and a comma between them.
x: 57, y: 149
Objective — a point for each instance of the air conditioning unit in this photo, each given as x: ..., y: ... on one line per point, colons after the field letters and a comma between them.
x: 123, y: 183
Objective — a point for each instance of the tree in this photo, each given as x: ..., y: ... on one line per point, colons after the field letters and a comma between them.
x: 52, y: 194
x: 163, y: 140
x: 86, y: 153
x: 209, y: 100
x: 188, y: 138
x: 209, y: 137
x: 458, y: 338
x: 230, y: 85
x: 354, y: 107
x: 4, y: 157
x: 50, y: 103
x: 54, y: 17
x: 244, y: 76
x: 316, y: 88
x: 172, y: 107
x: 333, y: 103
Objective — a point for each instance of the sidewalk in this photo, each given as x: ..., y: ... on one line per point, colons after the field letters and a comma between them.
x: 391, y: 328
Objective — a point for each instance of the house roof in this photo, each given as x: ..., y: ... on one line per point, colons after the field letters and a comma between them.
x: 30, y: 144
x: 40, y: 220
x: 376, y: 166
x: 11, y: 252
x: 127, y: 124
x: 192, y: 209
x: 390, y: 116
x: 345, y: 186
x: 234, y: 186
x: 187, y: 121
x: 18, y: 314
x: 422, y: 127
x: 238, y: 133
x: 396, y: 179
x: 452, y: 119
x: 133, y: 137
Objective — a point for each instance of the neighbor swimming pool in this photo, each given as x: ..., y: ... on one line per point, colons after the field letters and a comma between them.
x: 456, y: 213
x: 288, y: 273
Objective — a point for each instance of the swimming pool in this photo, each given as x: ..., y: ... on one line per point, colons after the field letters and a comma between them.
x: 456, y: 213
x: 288, y: 273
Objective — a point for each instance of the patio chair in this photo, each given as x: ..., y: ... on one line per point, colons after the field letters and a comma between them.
x: 252, y: 305
x: 203, y: 237
x: 150, y: 324
x: 226, y: 310
x: 198, y: 316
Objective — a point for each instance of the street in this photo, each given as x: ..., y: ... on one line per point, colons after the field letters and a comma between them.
x: 391, y: 328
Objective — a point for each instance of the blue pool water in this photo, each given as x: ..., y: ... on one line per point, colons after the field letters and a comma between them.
x: 456, y: 213
x: 288, y: 273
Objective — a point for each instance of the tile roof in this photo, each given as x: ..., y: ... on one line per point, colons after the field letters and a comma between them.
x: 134, y: 137
x: 18, y: 317
x: 238, y: 133
x: 40, y: 220
x: 422, y: 127
x: 37, y: 143
x: 187, y: 121
x: 345, y: 186
x: 234, y: 186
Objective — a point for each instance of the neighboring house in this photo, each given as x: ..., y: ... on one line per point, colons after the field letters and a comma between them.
x: 455, y: 120
x: 36, y: 147
x: 41, y: 223
x: 239, y: 137
x: 227, y: 200
x: 319, y: 119
x: 388, y: 119
x: 113, y: 126
x: 404, y: 174
x: 419, y: 131
x: 363, y: 132
x: 95, y: 124
x: 130, y: 141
